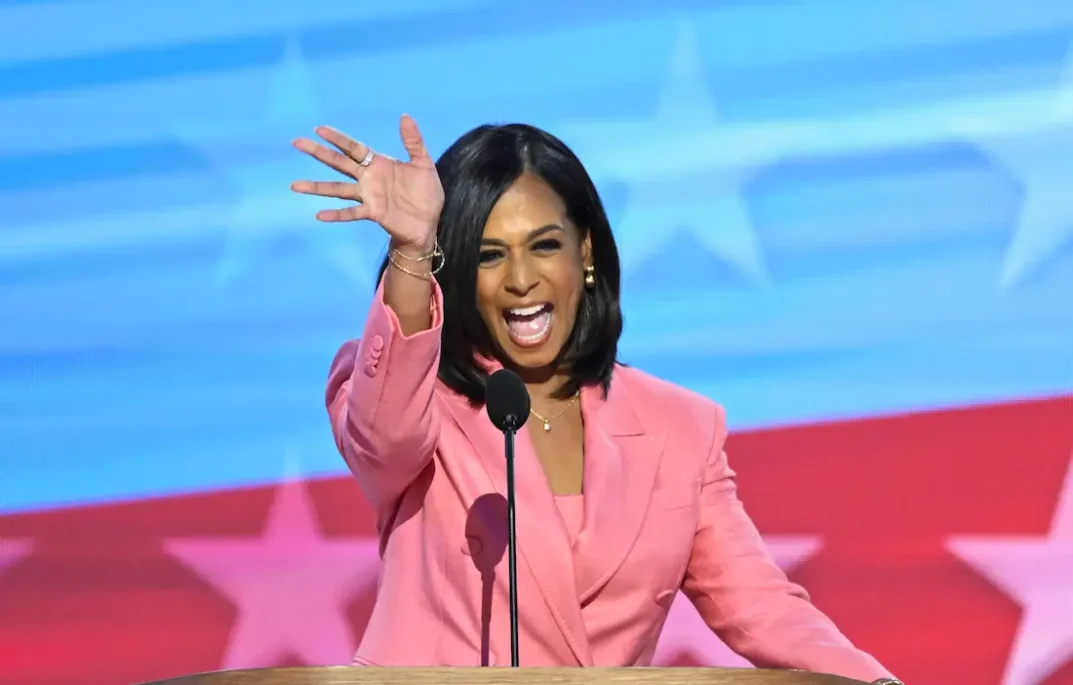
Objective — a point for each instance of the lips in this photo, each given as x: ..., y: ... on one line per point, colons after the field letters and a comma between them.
x: 529, y: 326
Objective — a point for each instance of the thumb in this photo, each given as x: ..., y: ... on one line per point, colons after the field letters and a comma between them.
x: 411, y: 138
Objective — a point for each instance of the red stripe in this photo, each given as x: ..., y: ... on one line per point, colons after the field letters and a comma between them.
x: 98, y: 602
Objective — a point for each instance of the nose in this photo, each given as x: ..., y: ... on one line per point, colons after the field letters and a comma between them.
x: 521, y: 277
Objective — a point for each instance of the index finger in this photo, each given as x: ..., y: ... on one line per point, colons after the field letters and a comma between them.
x: 351, y: 148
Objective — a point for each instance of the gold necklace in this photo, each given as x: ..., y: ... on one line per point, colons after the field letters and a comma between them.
x: 547, y: 420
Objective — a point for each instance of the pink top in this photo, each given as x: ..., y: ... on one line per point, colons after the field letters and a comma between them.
x: 572, y: 510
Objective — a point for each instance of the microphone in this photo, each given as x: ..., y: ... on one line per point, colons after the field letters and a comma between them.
x: 507, y: 403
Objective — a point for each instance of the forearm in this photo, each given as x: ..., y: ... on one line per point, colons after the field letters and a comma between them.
x: 782, y: 629
x: 408, y: 285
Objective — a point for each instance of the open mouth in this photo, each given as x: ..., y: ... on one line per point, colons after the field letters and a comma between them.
x: 529, y: 326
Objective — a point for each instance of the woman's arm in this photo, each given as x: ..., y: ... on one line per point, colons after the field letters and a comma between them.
x: 380, y: 387
x: 747, y: 600
x: 380, y: 395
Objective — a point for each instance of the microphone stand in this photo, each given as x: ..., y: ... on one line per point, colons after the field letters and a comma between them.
x: 512, y: 543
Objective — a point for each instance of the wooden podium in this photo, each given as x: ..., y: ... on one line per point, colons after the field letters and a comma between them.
x: 365, y: 675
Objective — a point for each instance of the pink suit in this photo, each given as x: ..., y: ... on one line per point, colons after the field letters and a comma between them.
x: 660, y: 514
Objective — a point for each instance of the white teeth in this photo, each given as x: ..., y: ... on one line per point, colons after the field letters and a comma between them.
x: 527, y: 311
x: 535, y: 337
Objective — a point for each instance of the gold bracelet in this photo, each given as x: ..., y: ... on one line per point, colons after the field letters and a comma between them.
x: 435, y: 252
x: 423, y: 276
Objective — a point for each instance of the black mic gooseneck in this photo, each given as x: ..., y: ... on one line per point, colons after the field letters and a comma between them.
x: 507, y: 403
x: 512, y: 548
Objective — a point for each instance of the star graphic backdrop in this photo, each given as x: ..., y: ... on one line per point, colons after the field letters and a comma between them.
x: 290, y: 585
x: 849, y: 223
x: 1041, y: 162
x: 251, y: 153
x: 1035, y: 571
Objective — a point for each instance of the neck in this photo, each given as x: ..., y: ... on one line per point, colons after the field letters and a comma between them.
x: 541, y: 383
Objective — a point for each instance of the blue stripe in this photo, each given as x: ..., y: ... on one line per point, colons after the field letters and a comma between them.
x: 137, y: 159
x: 188, y: 60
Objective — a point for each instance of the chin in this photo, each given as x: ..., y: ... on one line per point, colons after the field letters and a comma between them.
x: 531, y: 359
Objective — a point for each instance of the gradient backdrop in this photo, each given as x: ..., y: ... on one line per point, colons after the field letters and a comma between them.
x: 850, y: 222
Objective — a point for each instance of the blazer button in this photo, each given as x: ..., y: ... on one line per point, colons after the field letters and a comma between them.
x: 377, y: 343
x: 370, y: 370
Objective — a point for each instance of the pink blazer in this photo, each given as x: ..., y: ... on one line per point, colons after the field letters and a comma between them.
x: 661, y: 514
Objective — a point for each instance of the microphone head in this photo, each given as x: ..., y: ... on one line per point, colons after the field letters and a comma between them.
x: 506, y: 400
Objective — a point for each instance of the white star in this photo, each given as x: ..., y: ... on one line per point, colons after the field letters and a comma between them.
x: 667, y: 191
x: 1036, y: 572
x: 1041, y: 160
x: 290, y: 586
x: 686, y: 633
x: 258, y: 158
x: 11, y: 550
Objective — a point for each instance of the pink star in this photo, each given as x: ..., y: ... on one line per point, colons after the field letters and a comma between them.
x: 290, y: 585
x: 686, y: 633
x: 11, y: 550
x: 1037, y: 572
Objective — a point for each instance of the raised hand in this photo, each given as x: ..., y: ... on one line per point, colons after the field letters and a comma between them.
x: 405, y: 198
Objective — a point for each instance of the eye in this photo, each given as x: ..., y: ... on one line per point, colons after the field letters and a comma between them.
x: 547, y: 245
x: 488, y: 257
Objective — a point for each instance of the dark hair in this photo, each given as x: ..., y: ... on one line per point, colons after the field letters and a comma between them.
x: 475, y: 171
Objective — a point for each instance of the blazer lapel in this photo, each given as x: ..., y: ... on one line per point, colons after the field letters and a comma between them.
x: 543, y: 542
x: 621, y: 462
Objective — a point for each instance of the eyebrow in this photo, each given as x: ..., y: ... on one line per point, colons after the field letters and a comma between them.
x: 532, y: 235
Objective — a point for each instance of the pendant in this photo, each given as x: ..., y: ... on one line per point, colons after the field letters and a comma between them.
x: 547, y: 426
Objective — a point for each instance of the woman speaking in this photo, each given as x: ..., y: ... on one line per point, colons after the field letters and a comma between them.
x: 501, y: 256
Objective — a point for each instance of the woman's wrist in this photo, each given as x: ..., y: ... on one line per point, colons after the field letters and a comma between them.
x: 416, y: 251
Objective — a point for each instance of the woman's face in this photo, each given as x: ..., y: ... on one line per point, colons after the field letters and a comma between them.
x: 530, y: 273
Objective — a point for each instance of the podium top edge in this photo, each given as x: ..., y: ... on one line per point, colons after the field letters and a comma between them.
x: 400, y: 675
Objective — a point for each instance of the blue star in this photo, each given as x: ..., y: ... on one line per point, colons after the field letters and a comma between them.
x: 1041, y: 159
x: 673, y: 185
x: 258, y: 158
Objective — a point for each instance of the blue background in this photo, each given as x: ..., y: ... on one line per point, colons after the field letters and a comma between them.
x: 827, y: 210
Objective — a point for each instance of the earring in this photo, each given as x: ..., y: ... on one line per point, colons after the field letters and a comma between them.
x: 590, y: 276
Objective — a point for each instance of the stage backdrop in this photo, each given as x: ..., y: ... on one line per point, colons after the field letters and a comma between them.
x: 849, y: 222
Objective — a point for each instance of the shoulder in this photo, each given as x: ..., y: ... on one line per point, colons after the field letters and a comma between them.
x: 662, y: 405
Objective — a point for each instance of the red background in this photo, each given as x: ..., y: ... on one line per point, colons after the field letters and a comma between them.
x: 98, y: 602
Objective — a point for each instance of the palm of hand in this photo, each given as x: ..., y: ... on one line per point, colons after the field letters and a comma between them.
x: 403, y: 197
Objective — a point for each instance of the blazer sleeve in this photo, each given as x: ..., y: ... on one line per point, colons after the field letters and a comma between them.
x: 747, y: 600
x: 380, y: 401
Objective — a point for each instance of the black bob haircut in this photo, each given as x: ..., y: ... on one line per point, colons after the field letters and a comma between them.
x: 475, y: 171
